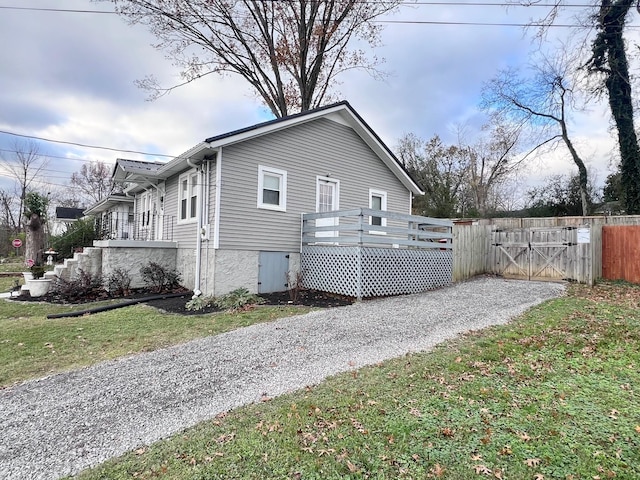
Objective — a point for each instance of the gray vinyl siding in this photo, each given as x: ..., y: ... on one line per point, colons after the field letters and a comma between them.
x: 305, y: 151
x: 183, y: 233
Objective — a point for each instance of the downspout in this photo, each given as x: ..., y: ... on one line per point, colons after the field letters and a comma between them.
x: 196, y: 283
x: 216, y: 218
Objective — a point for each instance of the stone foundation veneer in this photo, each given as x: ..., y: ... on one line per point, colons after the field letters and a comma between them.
x: 132, y: 255
x: 235, y: 269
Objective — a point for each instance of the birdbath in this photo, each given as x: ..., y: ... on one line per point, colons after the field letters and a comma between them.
x: 50, y: 253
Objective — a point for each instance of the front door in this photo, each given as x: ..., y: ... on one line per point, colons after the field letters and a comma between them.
x: 159, y: 230
x: 327, y: 201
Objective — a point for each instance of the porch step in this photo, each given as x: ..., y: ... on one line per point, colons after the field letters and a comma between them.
x: 89, y: 260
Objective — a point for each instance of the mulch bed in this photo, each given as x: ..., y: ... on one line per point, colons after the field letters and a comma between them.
x: 176, y: 304
x: 309, y: 298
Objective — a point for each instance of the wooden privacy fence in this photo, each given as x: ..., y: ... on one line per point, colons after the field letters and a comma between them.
x: 536, y: 248
x: 621, y: 252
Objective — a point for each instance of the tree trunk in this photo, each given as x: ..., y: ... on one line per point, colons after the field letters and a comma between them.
x: 610, y: 45
x: 34, y: 244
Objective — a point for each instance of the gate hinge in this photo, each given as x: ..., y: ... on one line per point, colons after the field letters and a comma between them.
x: 496, y: 244
x: 570, y: 244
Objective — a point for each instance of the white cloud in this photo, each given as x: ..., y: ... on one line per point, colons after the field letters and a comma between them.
x: 71, y: 77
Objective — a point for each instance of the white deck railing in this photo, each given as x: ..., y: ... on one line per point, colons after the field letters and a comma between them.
x: 364, y: 226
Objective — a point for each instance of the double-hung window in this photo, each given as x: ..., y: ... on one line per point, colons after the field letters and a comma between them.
x: 377, y: 201
x: 188, y: 186
x: 272, y: 188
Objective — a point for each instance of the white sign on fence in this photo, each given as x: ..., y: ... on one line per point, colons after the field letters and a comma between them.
x: 584, y: 235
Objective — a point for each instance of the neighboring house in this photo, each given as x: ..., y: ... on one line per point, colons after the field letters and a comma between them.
x: 64, y: 217
x: 227, y: 213
x: 113, y: 216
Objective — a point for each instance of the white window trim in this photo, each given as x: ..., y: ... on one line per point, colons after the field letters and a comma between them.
x: 383, y: 196
x: 190, y: 218
x: 282, y: 207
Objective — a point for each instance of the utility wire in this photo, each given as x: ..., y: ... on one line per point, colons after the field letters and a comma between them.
x: 406, y: 22
x: 88, y: 146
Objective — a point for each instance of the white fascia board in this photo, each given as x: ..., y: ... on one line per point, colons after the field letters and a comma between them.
x: 106, y: 203
x: 274, y: 127
x: 179, y: 164
x: 383, y: 153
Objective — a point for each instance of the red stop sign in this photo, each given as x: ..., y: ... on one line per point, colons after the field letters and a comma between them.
x: 17, y: 243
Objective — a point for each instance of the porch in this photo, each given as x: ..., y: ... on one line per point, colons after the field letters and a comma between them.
x: 372, y: 253
x: 138, y: 227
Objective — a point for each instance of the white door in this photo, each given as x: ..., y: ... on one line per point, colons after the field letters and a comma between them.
x: 160, y: 212
x: 327, y: 192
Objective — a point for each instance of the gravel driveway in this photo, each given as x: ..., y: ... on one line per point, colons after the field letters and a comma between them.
x: 61, y: 424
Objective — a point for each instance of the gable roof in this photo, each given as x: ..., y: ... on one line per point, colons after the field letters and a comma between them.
x: 108, y: 202
x: 342, y: 112
x: 135, y: 170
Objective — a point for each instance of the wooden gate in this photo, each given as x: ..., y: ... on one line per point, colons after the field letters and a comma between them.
x: 535, y: 253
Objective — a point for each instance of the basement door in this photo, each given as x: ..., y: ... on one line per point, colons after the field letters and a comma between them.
x: 273, y: 269
x: 536, y: 253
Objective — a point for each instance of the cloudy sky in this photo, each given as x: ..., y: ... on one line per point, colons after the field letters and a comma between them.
x: 69, y: 76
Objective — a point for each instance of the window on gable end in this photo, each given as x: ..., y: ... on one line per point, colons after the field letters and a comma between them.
x: 272, y: 188
x: 377, y: 201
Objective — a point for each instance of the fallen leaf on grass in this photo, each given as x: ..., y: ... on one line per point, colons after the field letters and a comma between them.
x: 352, y: 468
x: 438, y: 470
x: 506, y: 450
x: 447, y: 432
x: 532, y: 462
x: 140, y: 451
x: 524, y: 437
x: 482, y: 469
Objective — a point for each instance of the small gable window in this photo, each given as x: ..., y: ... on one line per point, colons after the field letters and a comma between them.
x: 272, y: 188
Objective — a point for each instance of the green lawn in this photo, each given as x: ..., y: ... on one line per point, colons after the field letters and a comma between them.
x: 13, y: 266
x: 552, y: 395
x: 32, y: 346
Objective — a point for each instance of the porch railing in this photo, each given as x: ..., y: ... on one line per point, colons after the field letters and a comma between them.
x: 142, y: 227
x: 367, y: 227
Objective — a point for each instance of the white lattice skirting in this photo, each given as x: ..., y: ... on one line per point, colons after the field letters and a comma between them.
x: 375, y: 272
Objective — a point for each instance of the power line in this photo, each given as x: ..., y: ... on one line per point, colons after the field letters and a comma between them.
x: 88, y: 146
x: 406, y: 22
x: 46, y: 155
x: 441, y: 3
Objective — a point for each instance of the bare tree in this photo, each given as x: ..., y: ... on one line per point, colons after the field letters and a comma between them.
x: 492, y: 162
x: 8, y: 211
x: 93, y: 181
x: 25, y: 166
x: 290, y: 52
x: 440, y: 170
x: 541, y: 102
x: 608, y: 64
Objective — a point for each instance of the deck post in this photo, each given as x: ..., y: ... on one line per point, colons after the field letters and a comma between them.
x: 359, y: 257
